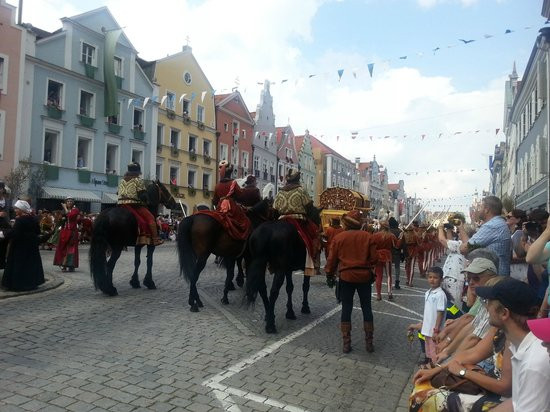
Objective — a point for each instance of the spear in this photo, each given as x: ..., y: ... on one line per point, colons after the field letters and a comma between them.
x: 438, y: 217
x: 182, y: 209
x: 420, y: 211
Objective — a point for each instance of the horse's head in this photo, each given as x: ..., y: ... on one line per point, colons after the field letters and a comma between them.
x: 165, y: 197
x: 314, y: 214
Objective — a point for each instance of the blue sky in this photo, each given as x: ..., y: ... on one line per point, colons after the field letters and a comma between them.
x: 455, y: 89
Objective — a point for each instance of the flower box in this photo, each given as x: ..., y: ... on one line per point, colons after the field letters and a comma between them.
x: 52, y: 172
x: 114, y: 128
x: 86, y: 121
x: 139, y: 134
x: 186, y: 119
x: 170, y: 114
x: 54, y: 112
x: 200, y: 125
x: 84, y: 176
x: 89, y: 70
x: 192, y: 156
x: 192, y: 191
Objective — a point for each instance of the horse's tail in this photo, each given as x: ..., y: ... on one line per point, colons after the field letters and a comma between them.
x: 187, y: 256
x: 256, y: 265
x: 98, y: 251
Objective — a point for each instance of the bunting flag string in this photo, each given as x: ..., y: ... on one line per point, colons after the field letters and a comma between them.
x: 433, y: 199
x: 427, y: 172
x: 423, y: 136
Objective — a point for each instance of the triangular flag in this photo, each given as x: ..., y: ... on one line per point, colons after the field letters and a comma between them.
x: 340, y: 73
x: 202, y: 95
x: 423, y: 136
x: 487, y: 36
x: 130, y: 102
x: 284, y: 81
x: 508, y: 31
x: 497, y: 130
x: 370, y: 137
x: 439, y: 137
x: 370, y: 66
x: 182, y: 96
x: 163, y: 99
x: 354, y: 74
x: 436, y: 49
x: 145, y: 102
x: 403, y: 58
x: 457, y: 133
x: 337, y: 138
x: 311, y: 75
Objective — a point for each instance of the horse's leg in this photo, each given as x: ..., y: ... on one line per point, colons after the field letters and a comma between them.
x: 278, y: 281
x: 305, y: 291
x: 194, y: 300
x: 230, y: 273
x: 109, y: 289
x: 289, y: 289
x: 148, y: 279
x: 134, y: 282
x: 240, y: 272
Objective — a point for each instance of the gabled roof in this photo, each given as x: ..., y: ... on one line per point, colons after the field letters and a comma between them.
x: 317, y: 144
x: 39, y: 33
x: 364, y: 166
x: 218, y: 98
x: 393, y: 186
x: 280, y: 131
x: 223, y: 99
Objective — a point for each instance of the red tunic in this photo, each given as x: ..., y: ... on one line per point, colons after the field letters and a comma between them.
x: 66, y: 253
x: 385, y: 242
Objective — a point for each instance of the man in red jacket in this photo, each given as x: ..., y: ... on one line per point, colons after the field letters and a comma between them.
x: 353, y: 252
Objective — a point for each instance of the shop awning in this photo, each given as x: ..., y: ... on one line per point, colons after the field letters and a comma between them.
x: 61, y: 193
x: 109, y: 197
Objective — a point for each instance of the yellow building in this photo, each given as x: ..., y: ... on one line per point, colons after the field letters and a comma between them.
x: 186, y: 129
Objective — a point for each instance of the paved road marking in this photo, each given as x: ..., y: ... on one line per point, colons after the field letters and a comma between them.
x: 397, y: 316
x: 230, y: 317
x: 404, y: 308
x: 401, y: 294
x: 220, y: 389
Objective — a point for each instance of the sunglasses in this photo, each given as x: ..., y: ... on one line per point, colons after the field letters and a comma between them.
x: 509, y: 216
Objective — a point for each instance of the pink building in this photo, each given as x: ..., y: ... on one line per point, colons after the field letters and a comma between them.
x: 286, y: 153
x: 11, y: 66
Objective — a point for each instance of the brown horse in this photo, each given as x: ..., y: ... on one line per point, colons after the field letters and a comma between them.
x: 200, y: 235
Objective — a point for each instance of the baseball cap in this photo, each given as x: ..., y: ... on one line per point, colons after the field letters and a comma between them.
x: 480, y: 265
x: 513, y: 294
x: 540, y: 328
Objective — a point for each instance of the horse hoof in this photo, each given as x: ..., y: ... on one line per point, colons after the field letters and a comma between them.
x: 199, y: 304
x: 305, y: 310
x: 231, y: 286
x: 240, y: 282
x: 290, y: 315
x: 149, y: 284
x: 225, y: 301
x: 194, y: 308
x: 111, y: 292
x: 135, y: 284
x: 270, y: 329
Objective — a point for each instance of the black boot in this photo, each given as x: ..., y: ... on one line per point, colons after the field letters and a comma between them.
x: 397, y: 287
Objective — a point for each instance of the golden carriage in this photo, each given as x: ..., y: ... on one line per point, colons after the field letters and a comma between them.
x: 337, y: 201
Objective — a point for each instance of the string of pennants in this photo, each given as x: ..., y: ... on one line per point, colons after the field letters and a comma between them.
x: 355, y: 134
x: 432, y: 199
x: 355, y: 71
x: 143, y: 101
x: 427, y: 172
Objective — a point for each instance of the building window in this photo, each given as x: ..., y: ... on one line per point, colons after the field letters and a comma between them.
x: 186, y: 108
x: 206, y: 145
x: 3, y: 74
x: 289, y: 154
x: 118, y: 67
x: 256, y: 162
x: 206, y: 181
x: 191, y: 178
x: 200, y: 114
x: 225, y: 127
x: 174, y: 138
x: 170, y: 101
x: 174, y: 175
x: 116, y: 119
x: 160, y: 134
x: 111, y: 159
x: 84, y: 151
x: 192, y: 146
x: 51, y: 146
x: 244, y: 134
x: 158, y: 171
x: 223, y: 152
x: 235, y: 156
x: 88, y: 54
x: 137, y: 156
x: 86, y: 104
x: 187, y: 78
x: 138, y: 119
x: 281, y: 171
x: 235, y: 130
x: 55, y: 94
x: 245, y: 160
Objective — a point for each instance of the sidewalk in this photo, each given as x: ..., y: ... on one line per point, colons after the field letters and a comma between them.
x: 52, y: 281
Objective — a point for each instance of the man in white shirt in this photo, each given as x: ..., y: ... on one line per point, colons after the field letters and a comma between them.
x: 509, y: 303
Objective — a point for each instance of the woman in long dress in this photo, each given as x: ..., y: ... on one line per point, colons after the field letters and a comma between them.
x: 453, y: 278
x: 66, y: 253
x: 23, y: 263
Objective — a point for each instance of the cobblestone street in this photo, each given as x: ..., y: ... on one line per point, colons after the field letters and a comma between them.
x: 72, y: 348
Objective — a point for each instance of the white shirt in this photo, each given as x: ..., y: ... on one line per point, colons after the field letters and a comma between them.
x: 530, y: 376
x: 435, y: 301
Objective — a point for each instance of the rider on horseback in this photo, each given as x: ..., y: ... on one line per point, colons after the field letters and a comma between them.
x: 293, y: 203
x: 132, y: 192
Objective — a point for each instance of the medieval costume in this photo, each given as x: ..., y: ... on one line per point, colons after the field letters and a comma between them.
x: 411, y: 242
x: 250, y: 195
x: 385, y: 242
x: 66, y: 253
x: 329, y: 234
x: 398, y: 252
x: 23, y: 263
x: 353, y: 254
x: 46, y: 229
x: 132, y: 195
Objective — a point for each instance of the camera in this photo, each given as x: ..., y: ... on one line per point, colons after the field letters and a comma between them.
x: 448, y: 226
x: 533, y: 229
x: 456, y: 222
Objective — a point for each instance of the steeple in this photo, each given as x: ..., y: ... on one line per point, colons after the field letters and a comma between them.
x: 514, y: 75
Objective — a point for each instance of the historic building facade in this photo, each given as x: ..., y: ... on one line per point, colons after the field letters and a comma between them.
x: 186, y: 129
x: 287, y: 158
x: 83, y: 151
x: 307, y: 163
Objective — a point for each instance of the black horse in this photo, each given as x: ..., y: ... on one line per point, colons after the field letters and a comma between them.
x: 200, y: 235
x: 116, y: 228
x: 278, y: 245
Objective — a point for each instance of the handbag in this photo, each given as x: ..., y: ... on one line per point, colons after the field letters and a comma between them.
x: 446, y: 380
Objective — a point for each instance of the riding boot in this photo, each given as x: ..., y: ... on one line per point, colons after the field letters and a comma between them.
x: 397, y: 287
x: 155, y: 235
x: 345, y: 327
x: 369, y: 335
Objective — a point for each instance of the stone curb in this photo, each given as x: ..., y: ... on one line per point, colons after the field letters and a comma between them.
x: 52, y: 281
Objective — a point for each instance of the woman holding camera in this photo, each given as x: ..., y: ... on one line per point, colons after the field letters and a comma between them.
x: 66, y: 253
x: 453, y: 278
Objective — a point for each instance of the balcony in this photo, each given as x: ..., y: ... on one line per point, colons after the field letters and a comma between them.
x: 114, y: 128
x: 207, y: 159
x: 192, y: 191
x: 170, y: 114
x: 51, y: 172
x: 200, y: 125
x: 138, y: 134
x: 54, y: 112
x: 86, y: 121
x: 193, y: 156
x: 89, y: 70
x: 84, y: 176
x: 186, y: 119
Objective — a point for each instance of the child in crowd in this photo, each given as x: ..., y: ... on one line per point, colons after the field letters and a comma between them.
x: 435, y: 304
